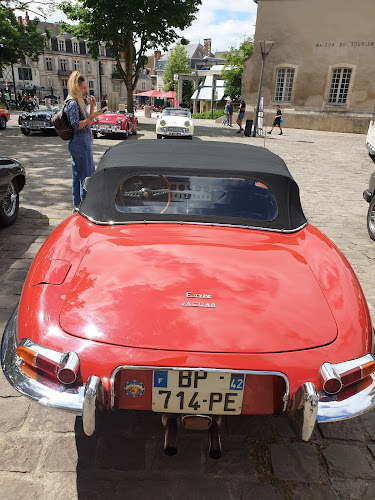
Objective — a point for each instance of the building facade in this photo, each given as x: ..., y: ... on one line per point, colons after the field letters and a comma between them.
x: 200, y: 58
x: 319, y: 69
x: 63, y: 55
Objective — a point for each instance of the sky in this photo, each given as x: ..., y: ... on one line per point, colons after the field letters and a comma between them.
x: 227, y: 23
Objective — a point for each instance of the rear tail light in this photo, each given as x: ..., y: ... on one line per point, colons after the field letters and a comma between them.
x: 63, y: 366
x: 358, y: 373
x: 37, y: 360
x: 335, y: 378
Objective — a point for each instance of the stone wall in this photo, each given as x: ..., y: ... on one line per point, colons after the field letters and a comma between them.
x: 356, y: 123
x: 312, y: 39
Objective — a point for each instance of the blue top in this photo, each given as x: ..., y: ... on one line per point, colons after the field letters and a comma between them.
x: 74, y: 116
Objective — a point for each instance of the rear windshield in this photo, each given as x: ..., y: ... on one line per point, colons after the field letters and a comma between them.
x: 195, y: 195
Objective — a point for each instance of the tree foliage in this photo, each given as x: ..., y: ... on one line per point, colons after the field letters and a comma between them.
x: 178, y: 62
x: 18, y: 40
x: 129, y: 28
x: 233, y: 68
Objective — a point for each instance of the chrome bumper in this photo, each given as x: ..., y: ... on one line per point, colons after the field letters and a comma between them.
x: 108, y: 130
x: 80, y: 399
x: 176, y: 134
x: 332, y: 410
x: 33, y: 126
x: 310, y: 406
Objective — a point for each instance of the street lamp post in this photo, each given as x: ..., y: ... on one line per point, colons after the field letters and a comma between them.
x: 265, y: 47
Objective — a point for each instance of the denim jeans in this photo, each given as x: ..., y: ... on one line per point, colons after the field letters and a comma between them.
x: 80, y: 148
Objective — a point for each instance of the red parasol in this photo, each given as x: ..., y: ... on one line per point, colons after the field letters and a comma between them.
x: 150, y: 93
x: 169, y: 95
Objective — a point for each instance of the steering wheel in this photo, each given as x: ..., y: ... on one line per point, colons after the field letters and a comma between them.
x: 154, y: 187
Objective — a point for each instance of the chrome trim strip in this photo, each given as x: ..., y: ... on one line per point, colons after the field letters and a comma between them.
x: 93, y: 400
x: 55, y: 356
x: 353, y: 363
x: 332, y: 410
x: 112, y: 223
x: 304, y: 410
x: 68, y: 398
x: 285, y: 398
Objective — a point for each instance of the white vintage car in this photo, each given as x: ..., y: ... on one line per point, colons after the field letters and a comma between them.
x: 175, y: 122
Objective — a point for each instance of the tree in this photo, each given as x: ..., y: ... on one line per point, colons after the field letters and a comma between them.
x: 178, y: 62
x: 129, y: 29
x: 18, y: 41
x: 233, y: 68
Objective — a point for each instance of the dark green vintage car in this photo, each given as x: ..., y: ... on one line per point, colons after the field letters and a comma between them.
x: 12, y: 181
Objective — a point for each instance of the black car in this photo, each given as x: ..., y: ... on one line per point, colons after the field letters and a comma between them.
x: 369, y: 196
x: 37, y: 120
x: 12, y: 181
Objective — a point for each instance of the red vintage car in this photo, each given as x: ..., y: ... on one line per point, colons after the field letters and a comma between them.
x: 4, y: 117
x: 192, y: 286
x: 120, y: 122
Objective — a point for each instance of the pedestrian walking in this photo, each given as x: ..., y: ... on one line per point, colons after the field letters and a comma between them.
x: 277, y: 121
x: 226, y: 114
x: 241, y: 114
x: 230, y: 114
x: 80, y: 145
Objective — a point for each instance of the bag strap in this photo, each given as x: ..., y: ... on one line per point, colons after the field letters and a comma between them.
x: 79, y: 109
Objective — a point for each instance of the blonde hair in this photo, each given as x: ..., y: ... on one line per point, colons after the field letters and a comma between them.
x: 74, y: 91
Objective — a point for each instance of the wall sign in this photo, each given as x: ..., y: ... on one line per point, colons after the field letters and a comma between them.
x: 350, y: 45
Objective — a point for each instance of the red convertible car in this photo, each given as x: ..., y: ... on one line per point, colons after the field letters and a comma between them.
x: 4, y: 117
x: 192, y: 286
x: 120, y: 122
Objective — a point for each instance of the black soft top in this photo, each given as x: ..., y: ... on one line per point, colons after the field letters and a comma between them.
x: 197, y: 158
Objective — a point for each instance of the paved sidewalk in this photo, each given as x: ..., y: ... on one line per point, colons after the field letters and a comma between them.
x: 44, y: 454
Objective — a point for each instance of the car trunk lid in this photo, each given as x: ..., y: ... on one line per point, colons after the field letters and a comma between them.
x: 195, y: 296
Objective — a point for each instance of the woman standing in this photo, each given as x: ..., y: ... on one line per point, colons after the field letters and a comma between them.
x: 80, y: 145
x: 241, y: 114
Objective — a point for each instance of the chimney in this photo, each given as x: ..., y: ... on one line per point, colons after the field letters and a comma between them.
x: 19, y: 19
x: 157, y: 56
x: 27, y: 17
x: 207, y: 46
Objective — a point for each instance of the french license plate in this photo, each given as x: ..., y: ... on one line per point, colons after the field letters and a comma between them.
x: 107, y: 130
x: 201, y: 392
x: 35, y: 125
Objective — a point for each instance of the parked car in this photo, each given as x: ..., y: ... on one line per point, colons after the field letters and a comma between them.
x: 4, y: 117
x: 12, y: 181
x: 175, y: 122
x: 369, y: 196
x: 38, y: 120
x: 119, y: 122
x: 194, y: 287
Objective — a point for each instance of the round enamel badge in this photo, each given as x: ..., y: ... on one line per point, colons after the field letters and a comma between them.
x: 134, y: 388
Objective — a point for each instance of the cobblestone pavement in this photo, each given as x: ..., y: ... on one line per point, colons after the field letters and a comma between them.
x: 43, y: 453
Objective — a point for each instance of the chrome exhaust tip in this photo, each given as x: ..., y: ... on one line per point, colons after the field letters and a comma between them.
x: 170, y: 436
x: 214, y: 441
